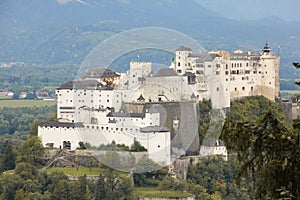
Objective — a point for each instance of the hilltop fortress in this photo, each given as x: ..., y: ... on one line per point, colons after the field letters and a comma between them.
x: 158, y: 109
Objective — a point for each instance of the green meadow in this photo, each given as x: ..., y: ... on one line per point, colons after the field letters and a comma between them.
x: 26, y: 103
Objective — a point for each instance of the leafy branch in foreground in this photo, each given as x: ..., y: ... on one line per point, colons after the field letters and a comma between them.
x: 269, y: 151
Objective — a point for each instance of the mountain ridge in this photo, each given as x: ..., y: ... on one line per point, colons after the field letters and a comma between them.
x: 48, y: 32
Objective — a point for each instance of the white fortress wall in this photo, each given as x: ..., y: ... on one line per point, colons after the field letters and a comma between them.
x: 157, y: 143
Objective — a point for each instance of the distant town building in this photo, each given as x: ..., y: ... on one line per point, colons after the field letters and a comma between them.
x: 23, y: 95
x: 11, y: 64
x: 292, y: 107
x: 6, y: 93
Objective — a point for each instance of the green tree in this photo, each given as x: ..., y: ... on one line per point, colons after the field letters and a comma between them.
x: 9, y: 184
x: 33, y: 131
x: 7, y: 157
x: 137, y: 147
x: 26, y: 171
x: 180, y: 185
x: 60, y: 190
x: 127, y: 188
x: 167, y: 183
x: 111, y: 185
x: 100, y: 190
x: 78, y: 189
x: 204, y: 117
x: 20, y: 195
x: 31, y: 151
x: 199, y: 192
x: 32, y: 186
x: 88, y: 194
x: 38, y: 196
x: 81, y: 145
x: 146, y: 165
x: 266, y: 149
x: 216, y: 196
x: 59, y: 187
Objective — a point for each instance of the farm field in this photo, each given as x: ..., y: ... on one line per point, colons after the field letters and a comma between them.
x: 26, y: 103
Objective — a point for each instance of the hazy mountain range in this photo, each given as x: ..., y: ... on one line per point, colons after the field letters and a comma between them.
x: 64, y: 31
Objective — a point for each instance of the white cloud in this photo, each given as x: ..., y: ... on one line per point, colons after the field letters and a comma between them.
x: 63, y: 1
x: 67, y: 1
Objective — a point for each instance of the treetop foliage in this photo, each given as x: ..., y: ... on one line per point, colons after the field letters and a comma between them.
x: 266, y: 145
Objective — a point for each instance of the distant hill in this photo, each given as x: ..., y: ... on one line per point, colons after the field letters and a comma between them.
x: 47, y: 32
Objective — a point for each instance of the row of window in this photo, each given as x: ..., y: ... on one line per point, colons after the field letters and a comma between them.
x: 241, y: 72
x: 112, y: 128
x: 243, y: 88
x: 91, y: 95
x: 99, y: 128
x: 236, y: 89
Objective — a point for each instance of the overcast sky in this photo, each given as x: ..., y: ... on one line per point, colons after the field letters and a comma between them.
x: 255, y: 9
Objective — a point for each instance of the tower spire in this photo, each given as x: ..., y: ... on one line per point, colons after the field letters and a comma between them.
x: 266, y: 47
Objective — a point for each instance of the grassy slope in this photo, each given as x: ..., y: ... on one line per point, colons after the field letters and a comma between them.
x: 72, y: 171
x: 154, y: 192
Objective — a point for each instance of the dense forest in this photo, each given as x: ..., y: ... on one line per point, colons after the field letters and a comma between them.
x: 31, y: 78
x: 262, y: 143
x: 212, y: 178
x: 15, y: 123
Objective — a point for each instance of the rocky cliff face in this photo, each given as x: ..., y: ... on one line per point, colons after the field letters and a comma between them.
x: 180, y: 118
